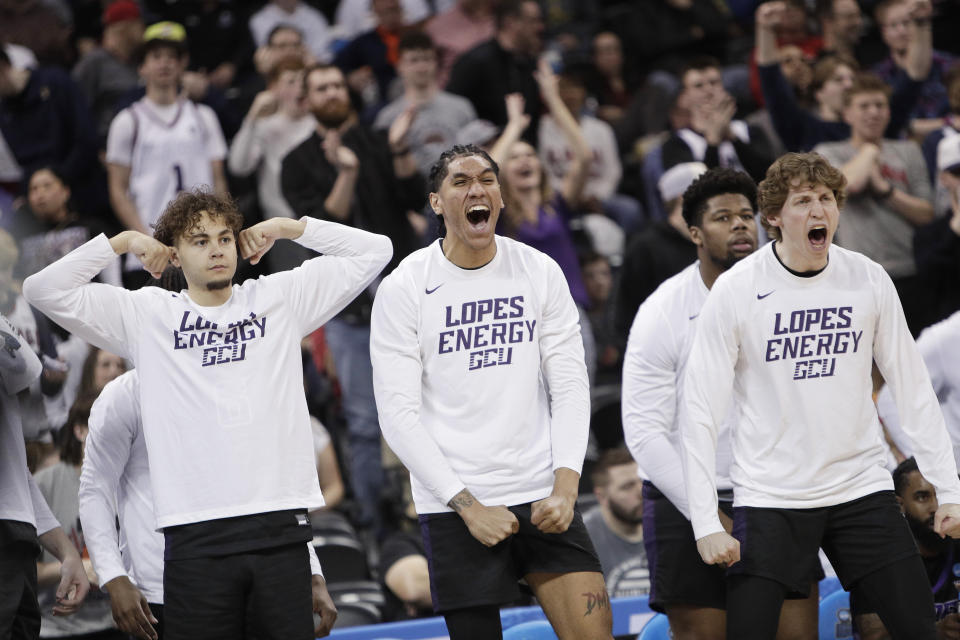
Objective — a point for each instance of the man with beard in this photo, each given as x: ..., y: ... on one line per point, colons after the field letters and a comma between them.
x: 348, y: 173
x: 719, y: 209
x: 615, y: 525
x: 918, y: 501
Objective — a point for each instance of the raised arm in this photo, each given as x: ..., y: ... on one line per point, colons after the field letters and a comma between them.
x: 579, y: 168
x: 340, y: 199
x: 322, y: 286
x: 104, y: 315
x: 517, y: 123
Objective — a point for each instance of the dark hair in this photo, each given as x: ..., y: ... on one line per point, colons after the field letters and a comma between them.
x: 179, y: 47
x: 71, y: 449
x: 53, y: 170
x: 715, y: 182
x: 698, y: 63
x: 416, y: 41
x: 184, y: 212
x: 589, y: 256
x: 172, y: 279
x: 794, y: 169
x: 508, y: 9
x: 283, y: 26
x: 901, y: 473
x: 439, y: 171
x: 86, y: 372
x: 610, y: 458
x: 4, y: 58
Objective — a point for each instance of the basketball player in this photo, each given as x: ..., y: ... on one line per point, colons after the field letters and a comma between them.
x: 790, y: 334
x: 115, y: 487
x: 719, y: 208
x: 482, y: 392
x: 221, y: 393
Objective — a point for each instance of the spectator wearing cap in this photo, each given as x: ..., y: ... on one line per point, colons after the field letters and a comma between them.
x: 163, y: 143
x: 437, y: 115
x: 109, y: 72
x: 661, y: 250
x: 309, y: 21
x: 460, y: 28
x: 45, y: 122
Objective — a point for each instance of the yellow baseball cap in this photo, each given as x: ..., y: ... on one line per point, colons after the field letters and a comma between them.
x: 167, y: 31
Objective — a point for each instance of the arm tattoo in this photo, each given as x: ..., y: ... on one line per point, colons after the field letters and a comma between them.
x: 461, y: 501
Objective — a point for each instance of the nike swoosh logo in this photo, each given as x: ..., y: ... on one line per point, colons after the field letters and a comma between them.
x: 694, y: 317
x: 429, y: 291
x: 761, y: 297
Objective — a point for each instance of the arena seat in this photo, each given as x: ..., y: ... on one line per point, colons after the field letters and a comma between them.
x: 355, y: 614
x: 836, y: 623
x: 657, y: 629
x: 356, y: 591
x: 342, y: 557
x: 533, y: 630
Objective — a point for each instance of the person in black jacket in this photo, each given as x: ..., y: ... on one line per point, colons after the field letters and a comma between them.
x: 350, y: 174
x: 503, y: 65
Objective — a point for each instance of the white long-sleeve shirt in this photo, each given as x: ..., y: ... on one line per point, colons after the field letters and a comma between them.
x: 653, y: 367
x: 20, y: 498
x: 939, y: 345
x: 479, y: 375
x: 260, y: 145
x: 115, y: 484
x: 224, y: 415
x: 795, y: 354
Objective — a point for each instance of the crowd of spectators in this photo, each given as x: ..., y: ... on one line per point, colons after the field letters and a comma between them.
x: 600, y: 113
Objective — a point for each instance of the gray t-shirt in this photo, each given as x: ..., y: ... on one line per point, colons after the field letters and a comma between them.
x: 624, y: 563
x: 870, y: 226
x: 435, y: 127
x: 105, y: 80
x: 60, y: 486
